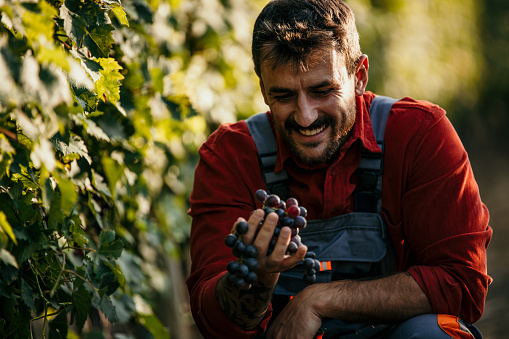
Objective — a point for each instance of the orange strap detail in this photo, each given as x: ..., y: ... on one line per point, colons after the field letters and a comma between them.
x: 325, y: 266
x: 452, y: 327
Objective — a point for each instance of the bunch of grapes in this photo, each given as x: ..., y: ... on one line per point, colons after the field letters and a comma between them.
x: 242, y: 271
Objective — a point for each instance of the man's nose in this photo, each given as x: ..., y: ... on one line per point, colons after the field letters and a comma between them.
x: 306, y: 111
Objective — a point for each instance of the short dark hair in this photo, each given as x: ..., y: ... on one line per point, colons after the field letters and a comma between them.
x: 290, y: 30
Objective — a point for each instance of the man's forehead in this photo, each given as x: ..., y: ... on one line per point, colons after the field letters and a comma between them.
x: 329, y: 64
x: 312, y: 60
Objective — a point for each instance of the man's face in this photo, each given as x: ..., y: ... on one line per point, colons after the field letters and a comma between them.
x: 314, y: 110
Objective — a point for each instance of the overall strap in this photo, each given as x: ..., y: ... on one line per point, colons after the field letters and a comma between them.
x: 261, y: 131
x: 368, y: 194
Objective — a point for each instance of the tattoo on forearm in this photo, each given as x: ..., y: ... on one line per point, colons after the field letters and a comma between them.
x: 246, y: 308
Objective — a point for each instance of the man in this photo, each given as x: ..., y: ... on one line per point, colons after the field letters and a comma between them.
x: 313, y: 77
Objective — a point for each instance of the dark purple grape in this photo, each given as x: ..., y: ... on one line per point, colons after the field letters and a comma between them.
x: 295, y: 231
x: 231, y: 279
x: 251, y: 263
x: 309, y: 279
x: 242, y: 271
x: 292, y: 247
x: 300, y: 222
x: 238, y: 248
x: 240, y: 283
x: 267, y: 210
x: 310, y: 254
x: 311, y: 271
x: 242, y: 227
x: 272, y: 201
x: 287, y: 221
x: 261, y: 195
x: 230, y: 240
x: 291, y: 202
x: 281, y: 214
x: 272, y: 243
x: 277, y: 230
x: 309, y: 263
x: 251, y: 278
x: 317, y: 265
x: 293, y: 211
x: 250, y: 252
x: 282, y: 205
x: 232, y: 267
x: 303, y: 211
x: 296, y: 239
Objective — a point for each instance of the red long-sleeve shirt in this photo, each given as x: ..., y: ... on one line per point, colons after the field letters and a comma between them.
x: 430, y: 202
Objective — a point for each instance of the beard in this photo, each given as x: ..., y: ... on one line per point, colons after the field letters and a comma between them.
x: 339, y: 132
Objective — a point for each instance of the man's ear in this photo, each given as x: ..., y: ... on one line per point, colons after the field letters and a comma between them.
x: 262, y: 88
x: 361, y: 75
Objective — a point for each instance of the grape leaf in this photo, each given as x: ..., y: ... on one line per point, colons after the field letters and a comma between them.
x: 108, y: 86
x: 106, y: 306
x: 120, y: 14
x: 8, y: 258
x: 109, y: 246
x: 99, y: 40
x: 27, y: 294
x: 76, y: 146
x: 39, y: 21
x: 81, y: 306
x: 74, y: 25
x: 6, y: 228
x: 58, y: 327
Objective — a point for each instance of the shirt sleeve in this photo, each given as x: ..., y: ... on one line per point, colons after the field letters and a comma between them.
x: 226, y: 177
x: 444, y: 222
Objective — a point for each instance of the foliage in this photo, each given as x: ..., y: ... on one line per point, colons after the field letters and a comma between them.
x: 103, y: 106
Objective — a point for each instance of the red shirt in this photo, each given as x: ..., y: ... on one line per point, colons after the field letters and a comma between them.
x: 430, y: 202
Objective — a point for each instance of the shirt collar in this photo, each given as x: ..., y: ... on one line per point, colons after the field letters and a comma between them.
x: 362, y: 130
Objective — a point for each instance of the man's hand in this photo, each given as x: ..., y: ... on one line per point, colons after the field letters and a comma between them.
x: 389, y: 299
x: 248, y: 307
x: 298, y: 320
x: 278, y: 261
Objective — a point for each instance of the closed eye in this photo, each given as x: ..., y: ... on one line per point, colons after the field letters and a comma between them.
x: 323, y: 92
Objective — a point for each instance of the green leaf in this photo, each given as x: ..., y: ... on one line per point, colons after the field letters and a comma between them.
x: 106, y: 306
x: 27, y: 294
x: 81, y: 301
x: 76, y: 147
x: 120, y: 14
x: 99, y: 40
x: 68, y: 194
x: 153, y: 325
x: 113, y: 171
x: 39, y: 21
x: 58, y: 327
x: 6, y: 228
x: 108, y: 86
x: 109, y: 246
x: 8, y: 258
x: 74, y: 25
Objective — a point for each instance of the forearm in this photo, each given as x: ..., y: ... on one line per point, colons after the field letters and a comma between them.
x: 393, y: 298
x: 246, y: 308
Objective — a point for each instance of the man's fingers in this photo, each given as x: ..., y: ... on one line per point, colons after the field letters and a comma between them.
x: 265, y: 234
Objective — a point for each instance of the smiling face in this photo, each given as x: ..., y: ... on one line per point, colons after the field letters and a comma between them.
x: 314, y: 109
